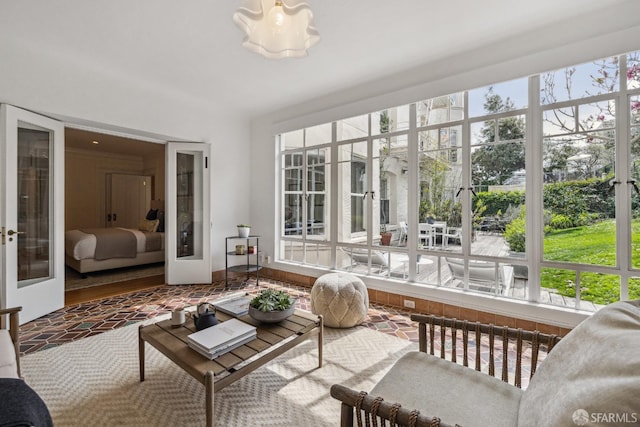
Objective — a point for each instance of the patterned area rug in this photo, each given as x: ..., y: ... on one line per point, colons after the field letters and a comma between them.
x: 95, y: 381
x: 74, y: 280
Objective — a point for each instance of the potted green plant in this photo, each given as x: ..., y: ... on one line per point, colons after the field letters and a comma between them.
x: 243, y: 230
x: 271, y: 306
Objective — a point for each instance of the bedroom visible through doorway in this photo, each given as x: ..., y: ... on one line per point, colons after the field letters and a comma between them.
x: 91, y: 159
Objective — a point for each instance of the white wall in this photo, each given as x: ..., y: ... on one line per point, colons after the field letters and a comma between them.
x: 583, y: 39
x: 57, y: 85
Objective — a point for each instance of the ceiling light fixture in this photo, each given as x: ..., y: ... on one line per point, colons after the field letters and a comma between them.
x: 277, y: 29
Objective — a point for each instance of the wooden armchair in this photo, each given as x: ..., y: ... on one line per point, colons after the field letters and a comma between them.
x: 10, y: 343
x: 443, y: 337
x: 592, y: 370
x: 20, y: 405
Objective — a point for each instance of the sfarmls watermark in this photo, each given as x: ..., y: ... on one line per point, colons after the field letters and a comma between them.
x: 581, y: 417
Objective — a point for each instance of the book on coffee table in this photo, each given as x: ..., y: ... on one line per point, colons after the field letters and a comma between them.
x: 221, y: 350
x: 221, y: 338
x: 235, y: 306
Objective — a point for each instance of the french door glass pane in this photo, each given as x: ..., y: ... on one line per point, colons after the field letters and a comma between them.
x: 293, y: 194
x: 317, y: 199
x: 579, y: 208
x: 352, y: 186
x: 634, y: 170
x: 440, y: 178
x: 34, y: 204
x: 189, y: 206
x: 390, y: 186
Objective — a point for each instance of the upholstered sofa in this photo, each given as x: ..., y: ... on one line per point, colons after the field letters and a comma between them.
x: 589, y: 377
x: 20, y: 405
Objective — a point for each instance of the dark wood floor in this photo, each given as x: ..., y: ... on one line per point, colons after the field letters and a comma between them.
x: 93, y: 293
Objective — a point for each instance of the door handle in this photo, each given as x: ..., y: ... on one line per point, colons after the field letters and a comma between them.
x: 9, y: 233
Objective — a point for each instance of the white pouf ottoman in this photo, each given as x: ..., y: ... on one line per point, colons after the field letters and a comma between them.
x: 341, y: 299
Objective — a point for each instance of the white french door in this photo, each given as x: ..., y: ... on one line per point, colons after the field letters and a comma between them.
x: 188, y: 217
x: 31, y: 212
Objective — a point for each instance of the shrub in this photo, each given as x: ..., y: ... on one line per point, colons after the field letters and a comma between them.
x: 514, y: 232
x: 561, y: 222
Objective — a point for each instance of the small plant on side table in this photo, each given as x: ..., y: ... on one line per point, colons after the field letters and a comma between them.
x: 243, y: 230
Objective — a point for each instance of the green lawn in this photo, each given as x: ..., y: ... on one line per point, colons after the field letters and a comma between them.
x: 591, y: 244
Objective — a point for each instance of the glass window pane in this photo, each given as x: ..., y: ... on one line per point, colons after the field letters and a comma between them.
x: 579, y: 209
x: 294, y: 139
x: 633, y: 70
x: 514, y: 95
x: 318, y: 173
x: 317, y: 135
x: 483, y: 132
x: 559, y: 121
x: 439, y: 110
x: 34, y: 209
x: 440, y: 178
x: 354, y: 127
x: 292, y: 218
x: 560, y: 287
x: 318, y: 255
x: 580, y: 81
x: 354, y: 193
x: 390, y: 120
x: 634, y: 170
x: 390, y: 186
x: 596, y: 115
x: 189, y: 205
x: 498, y: 177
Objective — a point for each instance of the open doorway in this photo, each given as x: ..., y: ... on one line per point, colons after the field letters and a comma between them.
x: 112, y: 182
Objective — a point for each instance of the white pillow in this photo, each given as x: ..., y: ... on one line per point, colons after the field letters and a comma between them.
x: 593, y: 373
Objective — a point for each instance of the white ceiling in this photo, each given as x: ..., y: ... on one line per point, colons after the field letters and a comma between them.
x: 192, y: 50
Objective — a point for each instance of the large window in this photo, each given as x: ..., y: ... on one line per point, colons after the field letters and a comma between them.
x: 304, y: 219
x: 456, y: 191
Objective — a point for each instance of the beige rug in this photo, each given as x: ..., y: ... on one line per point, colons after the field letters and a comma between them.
x: 74, y: 280
x: 95, y: 381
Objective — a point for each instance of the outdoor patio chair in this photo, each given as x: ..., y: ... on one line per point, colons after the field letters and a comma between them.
x: 361, y: 257
x: 484, y: 274
x: 451, y: 233
x: 404, y: 229
x: 426, y: 235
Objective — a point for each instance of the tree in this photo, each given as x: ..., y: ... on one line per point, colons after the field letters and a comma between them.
x: 495, y: 161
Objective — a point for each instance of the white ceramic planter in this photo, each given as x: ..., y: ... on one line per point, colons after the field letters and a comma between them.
x: 243, y: 231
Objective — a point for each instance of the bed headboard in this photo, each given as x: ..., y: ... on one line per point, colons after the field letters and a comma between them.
x: 157, y: 204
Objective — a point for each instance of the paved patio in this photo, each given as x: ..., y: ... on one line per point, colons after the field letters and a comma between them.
x: 433, y: 269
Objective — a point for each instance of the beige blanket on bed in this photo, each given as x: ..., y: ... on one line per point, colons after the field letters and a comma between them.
x: 153, y: 242
x: 113, y: 243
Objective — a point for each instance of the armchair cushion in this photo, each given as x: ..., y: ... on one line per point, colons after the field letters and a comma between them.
x: 594, y: 369
x: 8, y: 365
x: 456, y: 394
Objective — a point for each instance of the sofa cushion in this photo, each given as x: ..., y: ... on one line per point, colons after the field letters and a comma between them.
x: 452, y: 392
x: 593, y: 374
x: 8, y: 365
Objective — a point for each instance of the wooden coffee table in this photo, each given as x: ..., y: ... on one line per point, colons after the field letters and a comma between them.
x: 272, y: 340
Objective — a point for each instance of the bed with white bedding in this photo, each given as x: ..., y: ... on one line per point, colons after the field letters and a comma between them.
x: 99, y: 249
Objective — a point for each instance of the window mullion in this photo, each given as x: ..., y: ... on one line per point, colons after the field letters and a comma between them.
x: 624, y: 192
x: 534, y: 188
